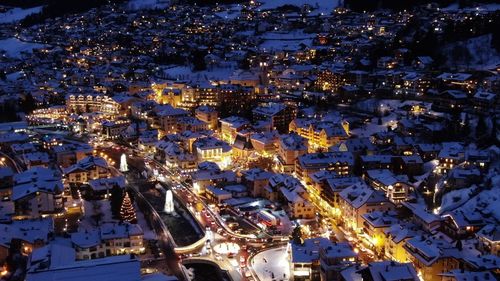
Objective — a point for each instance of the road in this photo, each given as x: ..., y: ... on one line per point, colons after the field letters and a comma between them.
x: 211, y: 219
x: 183, y: 192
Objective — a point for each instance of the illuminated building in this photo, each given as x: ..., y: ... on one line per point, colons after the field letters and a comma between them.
x: 320, y: 134
x: 340, y: 162
x: 359, y: 199
x: 108, y: 240
x: 208, y: 115
x: 255, y: 179
x: 113, y: 129
x: 374, y: 225
x: 204, y: 178
x: 91, y: 103
x: 278, y: 114
x: 38, y: 235
x: 265, y: 143
x: 432, y: 256
x: 212, y: 149
x: 89, y: 168
x: 235, y: 99
x: 396, y: 188
x: 330, y: 80
x: 37, y: 192
x: 168, y: 116
x: 489, y: 239
x: 290, y: 147
x: 192, y: 124
x: 334, y: 258
x: 230, y: 127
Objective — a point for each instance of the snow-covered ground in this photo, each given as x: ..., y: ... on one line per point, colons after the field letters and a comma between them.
x: 94, y: 207
x: 285, y: 40
x: 233, y: 12
x: 480, y: 53
x: 272, y: 265
x: 373, y: 127
x: 484, y: 7
x: 148, y: 233
x: 17, y: 14
x: 15, y: 75
x: 485, y: 202
x: 147, y: 4
x: 13, y: 47
x: 455, y: 198
x: 318, y: 6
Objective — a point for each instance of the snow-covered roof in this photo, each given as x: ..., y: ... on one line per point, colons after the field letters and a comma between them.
x: 293, y: 141
x: 86, y: 238
x: 324, y: 159
x: 462, y: 275
x: 211, y: 143
x: 26, y: 230
x: 202, y: 175
x: 392, y: 271
x: 62, y: 266
x: 235, y: 121
x: 486, y: 96
x: 257, y: 174
x: 420, y: 211
x: 359, y: 194
x: 454, y: 76
x: 36, y: 179
x: 107, y: 183
x: 490, y: 232
x: 309, y: 250
x: 87, y: 163
x: 380, y: 219
x: 269, y: 109
x: 113, y: 230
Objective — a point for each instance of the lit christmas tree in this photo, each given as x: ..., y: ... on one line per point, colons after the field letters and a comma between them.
x: 127, y: 212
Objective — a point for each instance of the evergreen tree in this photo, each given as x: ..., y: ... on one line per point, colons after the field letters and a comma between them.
x: 494, y: 130
x: 198, y: 60
x: 28, y: 104
x: 127, y: 212
x: 459, y: 245
x: 481, y: 128
x: 116, y: 199
x: 297, y: 235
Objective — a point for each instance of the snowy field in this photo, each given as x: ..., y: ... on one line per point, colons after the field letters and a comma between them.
x: 14, y: 47
x: 482, y: 55
x: 285, y: 40
x: 149, y: 234
x: 272, y: 265
x: 485, y: 7
x: 147, y: 4
x: 95, y: 207
x: 233, y: 12
x: 318, y: 6
x: 17, y: 14
x: 104, y: 207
